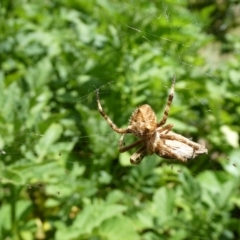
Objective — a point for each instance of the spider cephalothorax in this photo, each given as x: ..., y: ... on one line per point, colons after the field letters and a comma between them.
x: 154, y: 137
x: 143, y: 121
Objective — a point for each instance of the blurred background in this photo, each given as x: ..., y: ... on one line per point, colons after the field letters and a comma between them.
x: 61, y: 175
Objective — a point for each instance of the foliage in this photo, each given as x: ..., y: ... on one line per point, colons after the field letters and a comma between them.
x: 61, y: 174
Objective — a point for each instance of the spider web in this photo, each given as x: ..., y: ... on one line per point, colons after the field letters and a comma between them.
x: 144, y: 77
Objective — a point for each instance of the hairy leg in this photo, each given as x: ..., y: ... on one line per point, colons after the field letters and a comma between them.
x: 166, y: 128
x: 111, y: 124
x: 126, y: 148
x: 169, y: 102
x: 137, y: 157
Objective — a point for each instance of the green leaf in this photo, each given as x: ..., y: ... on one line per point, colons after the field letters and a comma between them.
x: 93, y: 216
x: 209, y: 181
x: 118, y: 228
x: 163, y: 204
x: 52, y: 134
x: 124, y: 159
x: 9, y: 175
x: 228, y: 189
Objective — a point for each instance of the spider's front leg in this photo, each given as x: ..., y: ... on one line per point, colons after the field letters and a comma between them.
x: 123, y: 148
x: 109, y: 121
x: 169, y: 102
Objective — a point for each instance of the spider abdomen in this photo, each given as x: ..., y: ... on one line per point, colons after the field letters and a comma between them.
x: 143, y: 121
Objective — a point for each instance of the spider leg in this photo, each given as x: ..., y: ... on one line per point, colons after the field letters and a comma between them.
x: 111, y: 124
x: 182, y: 139
x: 126, y: 148
x: 167, y: 127
x: 137, y: 157
x: 166, y: 152
x: 120, y: 142
x: 169, y: 102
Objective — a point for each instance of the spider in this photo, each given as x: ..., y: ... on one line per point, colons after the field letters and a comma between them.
x: 154, y: 137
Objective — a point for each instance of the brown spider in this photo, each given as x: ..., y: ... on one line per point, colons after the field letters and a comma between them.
x: 154, y: 137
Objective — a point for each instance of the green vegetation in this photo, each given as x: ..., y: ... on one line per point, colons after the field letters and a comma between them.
x: 61, y: 176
